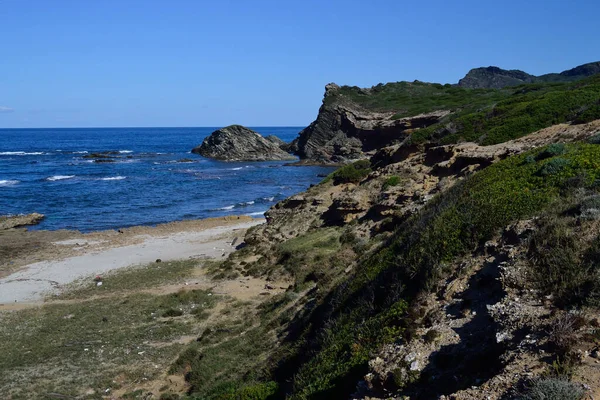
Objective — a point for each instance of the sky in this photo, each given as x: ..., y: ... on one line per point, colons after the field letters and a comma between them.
x: 126, y: 63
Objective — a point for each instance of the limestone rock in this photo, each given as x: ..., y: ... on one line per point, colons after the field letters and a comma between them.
x: 237, y: 143
x: 344, y: 132
x: 13, y: 221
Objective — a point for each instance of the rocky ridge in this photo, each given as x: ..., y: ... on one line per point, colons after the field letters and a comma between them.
x: 497, y: 78
x: 238, y: 143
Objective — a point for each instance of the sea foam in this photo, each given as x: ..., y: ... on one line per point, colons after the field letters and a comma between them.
x: 20, y: 153
x: 59, y: 177
x: 8, y: 182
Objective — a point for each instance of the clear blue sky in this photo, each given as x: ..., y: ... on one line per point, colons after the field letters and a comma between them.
x: 91, y: 63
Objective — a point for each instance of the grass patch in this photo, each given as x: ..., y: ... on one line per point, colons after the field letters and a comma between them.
x: 73, y: 347
x: 147, y: 276
x: 393, y: 180
x: 226, y: 363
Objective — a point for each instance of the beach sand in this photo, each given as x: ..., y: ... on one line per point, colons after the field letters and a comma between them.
x: 37, y: 264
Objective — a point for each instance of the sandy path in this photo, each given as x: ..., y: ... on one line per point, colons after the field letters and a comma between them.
x: 35, y: 281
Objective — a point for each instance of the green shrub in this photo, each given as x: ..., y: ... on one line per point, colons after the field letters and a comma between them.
x: 554, y: 166
x: 393, y: 180
x: 431, y: 336
x: 529, y: 159
x: 554, y: 389
x: 352, y: 173
x: 172, y: 312
x: 589, y: 208
x: 594, y: 139
x: 257, y: 391
x: 555, y: 149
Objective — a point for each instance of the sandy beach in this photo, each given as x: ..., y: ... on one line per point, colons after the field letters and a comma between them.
x: 37, y: 264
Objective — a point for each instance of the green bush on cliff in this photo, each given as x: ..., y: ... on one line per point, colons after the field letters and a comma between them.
x: 352, y: 173
x: 393, y: 180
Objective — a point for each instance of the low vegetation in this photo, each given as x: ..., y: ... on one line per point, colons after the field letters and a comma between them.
x: 351, y: 173
x: 139, y: 277
x: 486, y: 116
x: 45, y: 349
x: 554, y: 389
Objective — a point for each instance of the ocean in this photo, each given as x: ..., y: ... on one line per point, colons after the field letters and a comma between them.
x: 152, y: 177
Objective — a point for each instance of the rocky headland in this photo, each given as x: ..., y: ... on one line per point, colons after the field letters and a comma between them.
x: 353, y: 122
x: 238, y: 143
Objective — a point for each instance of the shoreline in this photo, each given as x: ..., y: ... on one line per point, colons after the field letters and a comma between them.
x: 43, y: 262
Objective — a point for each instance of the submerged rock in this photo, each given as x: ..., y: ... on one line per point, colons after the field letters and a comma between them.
x: 238, y: 143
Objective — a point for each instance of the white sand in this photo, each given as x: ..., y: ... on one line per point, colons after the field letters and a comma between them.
x: 40, y: 279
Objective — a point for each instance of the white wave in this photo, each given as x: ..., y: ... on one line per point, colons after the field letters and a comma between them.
x: 79, y: 152
x: 8, y: 182
x: 254, y: 214
x: 20, y: 153
x: 113, y: 178
x: 247, y: 203
x: 59, y: 177
x: 269, y: 198
x: 236, y: 169
x: 125, y: 151
x: 226, y: 208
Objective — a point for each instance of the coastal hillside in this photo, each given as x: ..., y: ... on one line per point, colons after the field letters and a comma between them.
x: 455, y: 258
x: 434, y: 267
x: 353, y: 122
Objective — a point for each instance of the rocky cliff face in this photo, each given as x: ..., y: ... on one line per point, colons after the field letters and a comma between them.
x: 352, y: 122
x: 237, y: 143
x: 497, y: 78
x: 344, y: 131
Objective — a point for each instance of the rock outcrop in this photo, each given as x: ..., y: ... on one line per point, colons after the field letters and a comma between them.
x: 343, y: 131
x: 237, y: 143
x: 14, y: 221
x: 497, y: 78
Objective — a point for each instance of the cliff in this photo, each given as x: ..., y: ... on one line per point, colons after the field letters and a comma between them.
x: 353, y: 122
x: 345, y: 130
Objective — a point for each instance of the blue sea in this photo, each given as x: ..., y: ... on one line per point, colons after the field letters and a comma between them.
x: 47, y: 171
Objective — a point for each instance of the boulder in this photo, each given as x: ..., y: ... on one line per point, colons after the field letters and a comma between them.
x: 238, y: 143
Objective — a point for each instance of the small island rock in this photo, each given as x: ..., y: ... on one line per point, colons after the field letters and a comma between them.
x: 238, y: 143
